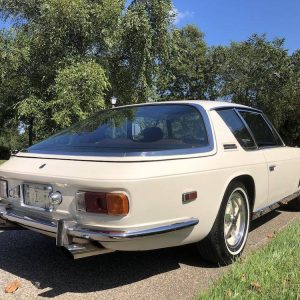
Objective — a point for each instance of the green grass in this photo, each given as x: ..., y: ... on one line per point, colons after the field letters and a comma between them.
x: 2, y: 161
x: 272, y: 272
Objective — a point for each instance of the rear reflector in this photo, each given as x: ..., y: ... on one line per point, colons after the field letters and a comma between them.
x: 3, y: 189
x: 191, y: 196
x: 102, y: 203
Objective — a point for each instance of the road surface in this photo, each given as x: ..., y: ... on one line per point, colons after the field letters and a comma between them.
x: 177, y: 273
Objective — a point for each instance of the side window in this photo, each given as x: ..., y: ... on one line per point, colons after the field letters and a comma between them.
x: 238, y: 128
x: 260, y: 129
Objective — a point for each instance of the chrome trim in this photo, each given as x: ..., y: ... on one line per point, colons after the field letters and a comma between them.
x: 249, y: 131
x: 99, y: 235
x: 78, y: 251
x: 230, y: 146
x: 262, y: 211
x: 62, y: 236
x: 69, y: 228
x: 28, y: 221
x: 237, y: 107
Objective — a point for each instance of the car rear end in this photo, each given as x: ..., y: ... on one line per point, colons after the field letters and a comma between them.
x: 132, y: 199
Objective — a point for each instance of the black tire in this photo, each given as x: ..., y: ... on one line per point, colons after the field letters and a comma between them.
x: 217, y: 248
x: 295, y: 204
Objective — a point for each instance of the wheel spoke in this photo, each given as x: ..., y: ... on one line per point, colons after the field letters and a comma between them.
x: 230, y: 230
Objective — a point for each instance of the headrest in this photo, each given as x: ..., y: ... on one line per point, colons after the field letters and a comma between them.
x: 152, y: 134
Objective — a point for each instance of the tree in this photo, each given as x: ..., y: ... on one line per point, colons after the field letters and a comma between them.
x: 290, y: 128
x: 258, y: 73
x: 63, y: 59
x: 182, y: 74
x: 58, y: 34
x: 14, y: 84
x: 144, y: 43
x: 79, y: 92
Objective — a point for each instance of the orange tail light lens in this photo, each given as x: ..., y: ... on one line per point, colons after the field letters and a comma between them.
x: 117, y: 204
x: 103, y: 203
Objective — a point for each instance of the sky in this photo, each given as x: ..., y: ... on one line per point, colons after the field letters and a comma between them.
x: 223, y: 21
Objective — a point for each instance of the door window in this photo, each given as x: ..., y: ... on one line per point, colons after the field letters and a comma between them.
x: 262, y: 132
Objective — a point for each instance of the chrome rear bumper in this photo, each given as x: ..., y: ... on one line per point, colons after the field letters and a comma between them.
x: 67, y: 229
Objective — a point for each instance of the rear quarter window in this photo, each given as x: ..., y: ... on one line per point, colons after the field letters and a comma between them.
x: 238, y: 128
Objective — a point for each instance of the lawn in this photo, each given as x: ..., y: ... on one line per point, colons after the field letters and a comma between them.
x: 2, y: 161
x: 272, y: 272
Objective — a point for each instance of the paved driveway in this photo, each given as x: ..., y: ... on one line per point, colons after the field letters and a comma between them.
x: 176, y: 273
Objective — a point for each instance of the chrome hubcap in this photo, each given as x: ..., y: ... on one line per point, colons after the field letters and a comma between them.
x: 235, y: 219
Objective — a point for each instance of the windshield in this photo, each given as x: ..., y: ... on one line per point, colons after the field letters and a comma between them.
x: 124, y: 131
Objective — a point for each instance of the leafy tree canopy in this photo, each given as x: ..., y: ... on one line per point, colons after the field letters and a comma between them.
x: 62, y: 60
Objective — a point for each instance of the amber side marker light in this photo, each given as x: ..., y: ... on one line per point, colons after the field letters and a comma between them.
x: 103, y: 203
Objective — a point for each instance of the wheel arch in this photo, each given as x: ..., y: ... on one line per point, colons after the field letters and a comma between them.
x: 249, y: 183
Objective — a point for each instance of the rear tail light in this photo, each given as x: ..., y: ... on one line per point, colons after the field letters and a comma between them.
x: 103, y: 203
x: 3, y: 189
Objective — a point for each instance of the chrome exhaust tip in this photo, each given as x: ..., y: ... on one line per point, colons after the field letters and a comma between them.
x: 77, y: 251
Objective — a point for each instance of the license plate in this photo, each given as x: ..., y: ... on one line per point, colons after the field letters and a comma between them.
x: 37, y: 195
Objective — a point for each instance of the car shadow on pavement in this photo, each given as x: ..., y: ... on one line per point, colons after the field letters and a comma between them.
x: 35, y: 258
x: 264, y: 219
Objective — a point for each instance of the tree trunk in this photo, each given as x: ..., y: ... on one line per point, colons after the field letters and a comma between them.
x: 30, y: 132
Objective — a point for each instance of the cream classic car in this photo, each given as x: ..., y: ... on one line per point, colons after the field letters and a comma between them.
x: 149, y: 176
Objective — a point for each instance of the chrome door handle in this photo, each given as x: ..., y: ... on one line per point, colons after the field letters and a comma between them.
x: 272, y: 168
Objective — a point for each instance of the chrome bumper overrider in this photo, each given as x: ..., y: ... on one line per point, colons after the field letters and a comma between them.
x: 66, y: 229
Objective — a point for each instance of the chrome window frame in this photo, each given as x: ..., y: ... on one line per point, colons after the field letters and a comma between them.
x: 235, y: 109
x: 274, y: 132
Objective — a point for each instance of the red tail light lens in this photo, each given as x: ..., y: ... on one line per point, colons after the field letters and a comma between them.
x: 95, y: 202
x: 103, y: 203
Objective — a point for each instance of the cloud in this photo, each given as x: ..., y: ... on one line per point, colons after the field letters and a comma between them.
x: 181, y: 15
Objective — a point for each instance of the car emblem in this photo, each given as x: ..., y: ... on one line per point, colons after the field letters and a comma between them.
x: 42, y: 166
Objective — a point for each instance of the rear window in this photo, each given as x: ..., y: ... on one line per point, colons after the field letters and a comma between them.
x: 143, y: 129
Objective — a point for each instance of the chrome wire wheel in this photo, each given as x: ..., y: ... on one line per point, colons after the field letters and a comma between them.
x: 236, y: 221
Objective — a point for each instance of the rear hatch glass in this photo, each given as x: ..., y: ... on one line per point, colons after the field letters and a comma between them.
x: 136, y: 130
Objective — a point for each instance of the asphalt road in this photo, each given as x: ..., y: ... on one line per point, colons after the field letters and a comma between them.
x: 177, y: 273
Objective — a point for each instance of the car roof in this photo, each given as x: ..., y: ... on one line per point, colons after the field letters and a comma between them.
x: 206, y: 104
